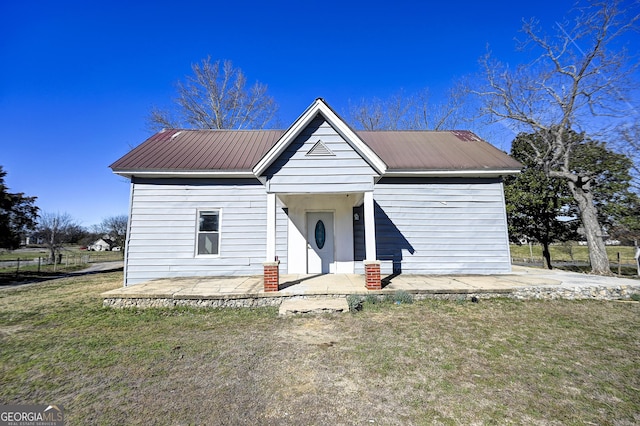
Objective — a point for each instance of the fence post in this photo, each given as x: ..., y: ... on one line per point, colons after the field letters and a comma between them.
x: 39, y: 262
x: 619, y: 266
x: 18, y: 268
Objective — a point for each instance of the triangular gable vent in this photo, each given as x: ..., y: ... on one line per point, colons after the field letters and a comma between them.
x: 320, y: 149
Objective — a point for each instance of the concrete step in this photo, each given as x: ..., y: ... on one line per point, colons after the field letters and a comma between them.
x: 313, y: 306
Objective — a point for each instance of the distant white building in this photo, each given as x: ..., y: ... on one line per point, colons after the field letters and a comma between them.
x: 103, y: 244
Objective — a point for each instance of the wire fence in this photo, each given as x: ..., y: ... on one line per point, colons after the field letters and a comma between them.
x: 621, y: 265
x: 61, y: 263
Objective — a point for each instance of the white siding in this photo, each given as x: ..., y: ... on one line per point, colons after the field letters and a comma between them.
x: 161, y: 241
x: 439, y: 227
x: 296, y: 172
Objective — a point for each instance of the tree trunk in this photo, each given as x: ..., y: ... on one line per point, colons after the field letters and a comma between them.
x: 546, y: 255
x: 592, y: 228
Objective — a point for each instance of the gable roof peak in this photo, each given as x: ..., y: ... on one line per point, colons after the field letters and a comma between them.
x: 320, y: 106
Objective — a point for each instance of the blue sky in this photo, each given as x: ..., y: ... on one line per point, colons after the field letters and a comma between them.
x: 77, y: 79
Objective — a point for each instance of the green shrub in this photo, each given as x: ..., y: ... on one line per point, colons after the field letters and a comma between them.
x: 636, y: 297
x: 355, y: 302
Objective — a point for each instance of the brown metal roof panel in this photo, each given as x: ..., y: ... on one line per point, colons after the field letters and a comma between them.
x: 206, y: 157
x: 265, y: 145
x: 212, y: 143
x: 171, y: 152
x: 147, y: 153
x: 139, y: 154
x: 242, y: 149
x: 432, y: 150
x: 200, y: 150
x: 185, y: 159
x: 262, y: 146
x: 234, y: 152
x: 251, y: 149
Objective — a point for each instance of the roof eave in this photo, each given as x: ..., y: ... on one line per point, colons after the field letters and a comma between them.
x: 452, y: 173
x: 200, y: 174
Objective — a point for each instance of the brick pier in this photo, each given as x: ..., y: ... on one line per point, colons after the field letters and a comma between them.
x: 372, y: 273
x: 271, y: 276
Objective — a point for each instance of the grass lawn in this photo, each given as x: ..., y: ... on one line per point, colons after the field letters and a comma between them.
x: 433, y: 362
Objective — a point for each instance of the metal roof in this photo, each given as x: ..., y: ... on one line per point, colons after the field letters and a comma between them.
x: 240, y: 150
x: 436, y: 150
x: 175, y: 149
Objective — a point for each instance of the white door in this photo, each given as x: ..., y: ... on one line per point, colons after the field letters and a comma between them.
x: 320, y: 256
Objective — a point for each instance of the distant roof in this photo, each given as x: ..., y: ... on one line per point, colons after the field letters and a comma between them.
x: 241, y: 150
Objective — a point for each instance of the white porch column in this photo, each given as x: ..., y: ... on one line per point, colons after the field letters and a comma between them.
x: 369, y: 227
x: 271, y: 227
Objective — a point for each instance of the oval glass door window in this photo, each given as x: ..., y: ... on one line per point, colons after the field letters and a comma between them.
x: 320, y: 234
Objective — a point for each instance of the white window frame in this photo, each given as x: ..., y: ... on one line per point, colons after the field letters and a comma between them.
x: 198, y: 232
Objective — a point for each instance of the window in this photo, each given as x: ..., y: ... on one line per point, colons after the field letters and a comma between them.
x: 208, y: 232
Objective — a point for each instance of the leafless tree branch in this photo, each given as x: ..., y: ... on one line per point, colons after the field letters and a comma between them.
x: 401, y: 111
x: 216, y: 96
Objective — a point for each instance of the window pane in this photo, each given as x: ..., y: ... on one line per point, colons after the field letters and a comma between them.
x: 208, y: 221
x: 208, y: 243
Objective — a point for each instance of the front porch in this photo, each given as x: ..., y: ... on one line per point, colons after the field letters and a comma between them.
x: 249, y: 291
x: 320, y: 238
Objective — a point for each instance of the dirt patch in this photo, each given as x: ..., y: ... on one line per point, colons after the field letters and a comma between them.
x: 316, y: 331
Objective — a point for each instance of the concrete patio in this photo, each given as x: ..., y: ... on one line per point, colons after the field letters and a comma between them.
x: 249, y: 291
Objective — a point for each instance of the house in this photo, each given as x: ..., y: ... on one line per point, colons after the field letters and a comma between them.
x: 315, y: 198
x: 102, y: 244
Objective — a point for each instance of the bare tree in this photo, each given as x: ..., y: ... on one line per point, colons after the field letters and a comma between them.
x: 216, y: 96
x: 368, y: 115
x: 401, y: 111
x: 577, y: 75
x: 448, y: 114
x: 56, y: 229
x: 115, y: 227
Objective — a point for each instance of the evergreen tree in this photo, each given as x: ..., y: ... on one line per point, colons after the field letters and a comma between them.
x: 536, y: 203
x: 542, y: 209
x: 617, y: 204
x: 18, y: 215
